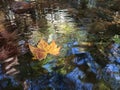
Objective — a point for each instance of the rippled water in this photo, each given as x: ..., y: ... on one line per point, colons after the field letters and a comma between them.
x: 72, y: 36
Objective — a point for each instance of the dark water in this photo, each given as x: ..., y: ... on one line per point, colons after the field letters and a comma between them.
x: 87, y: 71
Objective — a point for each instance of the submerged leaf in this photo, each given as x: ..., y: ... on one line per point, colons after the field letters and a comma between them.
x: 54, y: 50
x: 43, y: 48
x: 38, y: 53
x: 43, y: 45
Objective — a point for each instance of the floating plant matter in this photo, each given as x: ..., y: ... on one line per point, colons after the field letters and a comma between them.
x: 43, y: 48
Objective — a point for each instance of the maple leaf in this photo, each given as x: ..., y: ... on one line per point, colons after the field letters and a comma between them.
x: 38, y: 53
x: 43, y: 48
x: 53, y: 49
x: 43, y: 45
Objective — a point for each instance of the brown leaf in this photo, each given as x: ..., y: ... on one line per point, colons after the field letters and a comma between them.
x: 43, y: 48
x: 38, y: 53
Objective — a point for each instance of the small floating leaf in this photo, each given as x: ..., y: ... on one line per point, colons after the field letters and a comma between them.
x: 43, y: 48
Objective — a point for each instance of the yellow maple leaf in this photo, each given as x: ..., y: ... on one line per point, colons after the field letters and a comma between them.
x: 43, y: 48
x: 53, y: 49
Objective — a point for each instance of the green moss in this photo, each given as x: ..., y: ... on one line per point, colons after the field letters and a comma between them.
x: 116, y: 38
x: 101, y: 85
